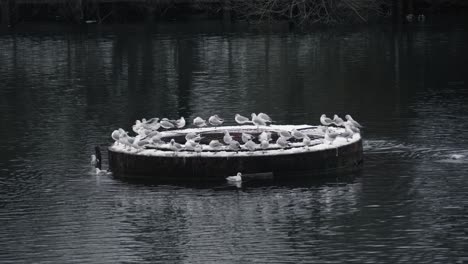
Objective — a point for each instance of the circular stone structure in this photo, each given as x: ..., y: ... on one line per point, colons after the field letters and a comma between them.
x: 162, y: 163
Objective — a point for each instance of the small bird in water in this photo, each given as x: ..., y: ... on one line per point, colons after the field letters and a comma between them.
x: 352, y: 121
x: 236, y: 178
x: 325, y: 120
x: 338, y: 121
x: 199, y: 122
x: 241, y: 119
x: 215, y: 120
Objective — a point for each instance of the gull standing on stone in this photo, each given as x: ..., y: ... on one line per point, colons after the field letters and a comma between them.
x: 250, y: 145
x: 264, y: 145
x: 325, y: 120
x: 246, y: 137
x: 265, y: 118
x: 190, y: 145
x: 285, y: 134
x: 199, y: 122
x: 306, y: 141
x: 175, y: 146
x: 192, y: 136
x: 215, y: 144
x: 215, y: 120
x: 330, y: 136
x: 347, y: 134
x: 166, y: 124
x: 241, y: 119
x: 115, y: 135
x: 234, y: 145
x: 282, y: 142
x: 227, y: 137
x: 352, y: 121
x: 180, y: 123
x: 338, y: 121
x: 256, y: 120
x: 265, y: 136
x: 297, y: 134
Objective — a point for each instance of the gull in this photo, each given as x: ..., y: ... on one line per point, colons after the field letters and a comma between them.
x: 102, y: 172
x: 199, y: 122
x: 152, y: 134
x: 198, y: 148
x: 264, y: 144
x: 234, y: 145
x: 215, y: 144
x: 93, y: 160
x: 241, y: 119
x: 192, y: 136
x: 180, y: 123
x: 175, y: 146
x: 115, y: 135
x: 166, y: 124
x: 250, y: 145
x: 352, y: 121
x: 297, y: 134
x: 156, y: 139
x: 330, y: 136
x: 256, y: 120
x: 347, y: 134
x: 306, y: 141
x: 325, y: 120
x: 215, y: 120
x: 236, y: 178
x: 137, y: 126
x: 352, y: 127
x: 190, y: 145
x: 246, y: 137
x: 282, y: 142
x: 285, y: 134
x: 338, y: 121
x: 227, y: 138
x: 265, y: 136
x: 265, y: 117
x: 142, y: 143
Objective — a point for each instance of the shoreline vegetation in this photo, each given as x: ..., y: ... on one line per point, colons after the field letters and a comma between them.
x: 295, y: 12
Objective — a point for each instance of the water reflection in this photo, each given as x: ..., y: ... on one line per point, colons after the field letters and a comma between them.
x: 63, y: 91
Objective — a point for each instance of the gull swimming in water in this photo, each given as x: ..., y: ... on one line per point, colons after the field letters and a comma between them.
x: 227, y: 137
x: 352, y: 121
x: 256, y: 120
x: 265, y: 117
x: 241, y: 119
x: 297, y: 134
x: 246, y: 137
x: 166, y: 124
x: 199, y: 122
x: 234, y: 145
x: 325, y: 120
x: 236, y: 178
x: 338, y: 121
x: 215, y: 120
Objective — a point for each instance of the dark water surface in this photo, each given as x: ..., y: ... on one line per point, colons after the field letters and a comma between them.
x: 63, y: 91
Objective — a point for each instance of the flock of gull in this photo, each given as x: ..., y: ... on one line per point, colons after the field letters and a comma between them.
x: 149, y: 134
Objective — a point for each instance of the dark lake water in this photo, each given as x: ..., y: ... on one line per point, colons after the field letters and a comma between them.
x: 63, y: 91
